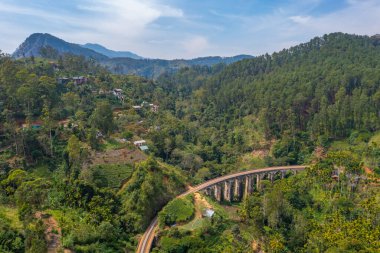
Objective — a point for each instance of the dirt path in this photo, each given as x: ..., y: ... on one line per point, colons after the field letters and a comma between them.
x: 200, y: 204
x: 52, y: 233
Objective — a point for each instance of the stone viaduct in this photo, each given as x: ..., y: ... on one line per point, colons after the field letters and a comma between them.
x: 235, y: 189
x: 227, y: 188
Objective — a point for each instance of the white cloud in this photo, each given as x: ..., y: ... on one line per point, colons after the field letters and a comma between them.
x: 195, y: 45
x: 290, y: 26
x: 127, y: 17
x: 155, y: 28
x: 119, y: 24
x: 300, y: 19
x: 360, y: 17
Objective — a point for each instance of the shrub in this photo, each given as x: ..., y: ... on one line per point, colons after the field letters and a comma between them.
x: 178, y: 210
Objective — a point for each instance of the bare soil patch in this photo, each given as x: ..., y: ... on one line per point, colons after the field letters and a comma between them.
x: 53, y: 232
x: 200, y: 204
x: 118, y: 156
x: 260, y: 153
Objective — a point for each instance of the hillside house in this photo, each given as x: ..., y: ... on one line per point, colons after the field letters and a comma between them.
x: 144, y: 148
x: 35, y: 125
x: 139, y: 143
x: 63, y: 80
x: 64, y: 123
x: 145, y: 104
x: 154, y: 108
x: 78, y: 80
x: 118, y: 93
x: 208, y: 213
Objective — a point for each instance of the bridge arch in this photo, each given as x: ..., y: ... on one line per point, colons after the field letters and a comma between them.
x: 223, y: 188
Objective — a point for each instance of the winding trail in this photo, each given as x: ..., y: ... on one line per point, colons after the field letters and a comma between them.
x: 146, y: 240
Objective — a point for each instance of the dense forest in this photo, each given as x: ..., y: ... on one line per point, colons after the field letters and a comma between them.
x: 73, y: 175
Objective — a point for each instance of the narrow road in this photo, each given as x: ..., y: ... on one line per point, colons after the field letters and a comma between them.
x: 146, y: 241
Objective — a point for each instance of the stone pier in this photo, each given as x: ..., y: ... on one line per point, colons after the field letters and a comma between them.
x: 248, y: 186
x: 283, y: 174
x: 237, y: 189
x: 218, y: 192
x: 207, y: 191
x: 258, y: 183
x: 271, y: 177
x: 227, y: 191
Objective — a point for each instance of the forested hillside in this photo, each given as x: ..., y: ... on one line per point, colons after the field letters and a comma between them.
x: 319, y: 91
x: 70, y: 176
x: 88, y: 158
x: 316, y: 103
x: 327, y: 86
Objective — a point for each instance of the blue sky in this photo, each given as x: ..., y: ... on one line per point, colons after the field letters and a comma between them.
x: 186, y: 28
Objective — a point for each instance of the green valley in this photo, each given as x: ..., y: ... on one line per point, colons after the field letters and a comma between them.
x: 89, y: 158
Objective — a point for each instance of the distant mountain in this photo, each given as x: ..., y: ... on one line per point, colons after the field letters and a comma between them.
x: 110, y: 53
x: 153, y: 68
x: 34, y: 43
x: 48, y: 46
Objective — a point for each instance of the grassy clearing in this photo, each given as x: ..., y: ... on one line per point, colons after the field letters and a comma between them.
x: 375, y: 139
x: 111, y: 175
x: 231, y: 211
x: 339, y: 145
x: 196, y: 223
x: 112, y: 144
x: 11, y: 214
x: 66, y: 218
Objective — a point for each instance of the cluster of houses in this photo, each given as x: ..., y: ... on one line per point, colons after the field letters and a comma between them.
x: 77, y: 80
x: 37, y: 124
x: 144, y: 104
x: 118, y: 93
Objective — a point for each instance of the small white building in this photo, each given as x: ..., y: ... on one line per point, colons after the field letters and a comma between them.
x: 78, y: 80
x: 118, y: 93
x: 154, y: 108
x: 139, y: 143
x: 137, y: 107
x: 208, y: 213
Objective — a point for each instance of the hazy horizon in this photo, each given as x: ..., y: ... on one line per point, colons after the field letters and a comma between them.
x: 169, y: 29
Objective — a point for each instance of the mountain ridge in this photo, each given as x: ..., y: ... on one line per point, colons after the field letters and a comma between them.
x: 48, y: 46
x: 111, y: 53
x: 35, y: 42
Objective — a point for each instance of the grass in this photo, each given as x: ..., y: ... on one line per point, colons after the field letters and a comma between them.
x: 358, y: 147
x: 231, y: 211
x: 111, y: 175
x: 11, y: 214
x: 112, y: 144
x: 66, y: 218
x: 375, y: 139
x: 197, y: 223
x: 177, y: 211
x: 339, y: 145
